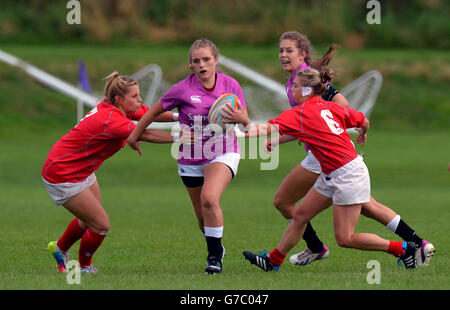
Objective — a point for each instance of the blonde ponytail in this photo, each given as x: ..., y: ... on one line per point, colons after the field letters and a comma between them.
x: 316, y: 79
x: 117, y: 85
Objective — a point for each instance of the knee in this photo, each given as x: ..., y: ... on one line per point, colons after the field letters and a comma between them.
x: 209, y: 202
x: 101, y: 225
x: 344, y: 241
x: 277, y: 202
x: 300, y: 216
x: 280, y: 203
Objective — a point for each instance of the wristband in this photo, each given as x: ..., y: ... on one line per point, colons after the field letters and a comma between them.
x: 329, y: 93
x: 176, y: 136
x: 176, y: 116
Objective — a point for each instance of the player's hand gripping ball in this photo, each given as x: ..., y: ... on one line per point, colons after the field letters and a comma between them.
x: 215, y: 113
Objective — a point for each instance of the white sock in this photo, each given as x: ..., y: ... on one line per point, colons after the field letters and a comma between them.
x: 289, y: 220
x: 215, y: 232
x: 393, y: 224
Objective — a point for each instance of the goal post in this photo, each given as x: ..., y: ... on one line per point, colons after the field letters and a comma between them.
x: 266, y: 99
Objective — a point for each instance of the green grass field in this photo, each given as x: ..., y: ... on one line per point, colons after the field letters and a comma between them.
x: 154, y: 241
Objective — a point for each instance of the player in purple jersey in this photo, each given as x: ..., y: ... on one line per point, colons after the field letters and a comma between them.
x: 207, y: 166
x: 294, y: 56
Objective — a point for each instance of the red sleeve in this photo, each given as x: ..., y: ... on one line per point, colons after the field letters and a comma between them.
x: 119, y: 126
x: 139, y: 113
x: 288, y: 122
x: 354, y: 118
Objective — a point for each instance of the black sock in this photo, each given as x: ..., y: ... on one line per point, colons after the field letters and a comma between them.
x: 214, y: 247
x: 407, y: 233
x: 312, y: 241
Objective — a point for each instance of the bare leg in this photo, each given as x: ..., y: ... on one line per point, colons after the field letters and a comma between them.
x: 312, y: 204
x: 345, y: 219
x: 378, y: 211
x: 293, y: 188
x: 217, y: 177
x: 87, y: 208
x: 194, y: 194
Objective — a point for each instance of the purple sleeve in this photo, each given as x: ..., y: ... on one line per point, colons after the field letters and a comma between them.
x: 238, y: 92
x: 172, y: 97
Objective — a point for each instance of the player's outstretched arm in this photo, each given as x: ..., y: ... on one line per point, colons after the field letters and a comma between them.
x: 260, y: 130
x: 362, y: 137
x: 271, y: 143
x: 156, y: 136
x: 167, y: 117
x: 184, y: 136
x: 147, y: 119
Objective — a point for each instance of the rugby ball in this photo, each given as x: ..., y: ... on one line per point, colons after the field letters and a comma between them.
x: 215, y: 112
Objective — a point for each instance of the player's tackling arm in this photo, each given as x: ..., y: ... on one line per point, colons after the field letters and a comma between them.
x: 356, y: 119
x: 156, y: 136
x: 261, y: 130
x: 166, y: 117
x: 143, y: 123
x: 362, y: 137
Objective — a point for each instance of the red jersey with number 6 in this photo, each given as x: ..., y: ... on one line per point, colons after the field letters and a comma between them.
x: 322, y: 126
x: 98, y: 136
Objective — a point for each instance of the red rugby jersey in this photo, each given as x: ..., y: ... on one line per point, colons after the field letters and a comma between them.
x: 98, y: 136
x: 322, y: 126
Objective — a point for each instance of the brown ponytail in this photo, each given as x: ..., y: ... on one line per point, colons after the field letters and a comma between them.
x: 303, y: 44
x: 117, y: 85
x: 326, y: 58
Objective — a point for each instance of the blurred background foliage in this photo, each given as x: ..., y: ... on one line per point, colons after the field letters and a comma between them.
x: 409, y: 48
x: 404, y: 23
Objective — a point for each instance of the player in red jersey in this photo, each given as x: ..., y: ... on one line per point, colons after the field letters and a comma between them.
x: 295, y: 54
x: 344, y: 181
x: 68, y: 172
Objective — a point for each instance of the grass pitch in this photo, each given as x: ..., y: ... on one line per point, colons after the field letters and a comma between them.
x: 155, y: 244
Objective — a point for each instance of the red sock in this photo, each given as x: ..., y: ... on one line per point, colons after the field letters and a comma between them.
x: 72, y: 234
x: 396, y: 248
x: 89, y: 244
x: 276, y: 257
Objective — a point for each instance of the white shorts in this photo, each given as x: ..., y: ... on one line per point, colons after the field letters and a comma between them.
x: 62, y: 192
x: 229, y: 159
x: 347, y: 185
x: 311, y: 163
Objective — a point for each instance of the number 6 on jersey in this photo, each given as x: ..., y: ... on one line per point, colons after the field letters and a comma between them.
x: 334, y: 126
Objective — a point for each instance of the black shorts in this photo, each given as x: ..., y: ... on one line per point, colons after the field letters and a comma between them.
x: 197, y: 181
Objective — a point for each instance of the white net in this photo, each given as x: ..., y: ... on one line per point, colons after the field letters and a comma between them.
x: 263, y: 104
x: 362, y: 93
x: 265, y: 98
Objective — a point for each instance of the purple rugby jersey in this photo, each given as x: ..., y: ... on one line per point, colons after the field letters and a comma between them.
x: 193, y: 103
x: 290, y: 82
